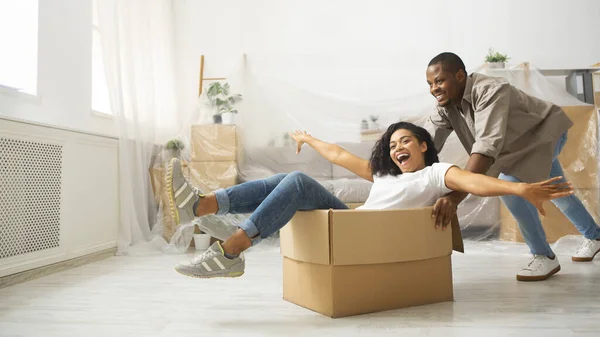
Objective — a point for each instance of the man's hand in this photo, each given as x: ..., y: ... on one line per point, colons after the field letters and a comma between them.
x: 300, y: 137
x: 444, y: 210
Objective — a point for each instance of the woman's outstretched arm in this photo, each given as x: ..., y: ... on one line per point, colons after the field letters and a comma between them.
x: 334, y: 154
x: 484, y: 186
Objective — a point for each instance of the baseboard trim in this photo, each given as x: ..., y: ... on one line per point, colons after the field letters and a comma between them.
x: 28, y: 275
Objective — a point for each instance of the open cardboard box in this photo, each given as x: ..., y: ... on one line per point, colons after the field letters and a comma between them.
x: 349, y: 262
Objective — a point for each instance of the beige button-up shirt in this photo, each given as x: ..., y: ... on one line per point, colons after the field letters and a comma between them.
x: 500, y: 121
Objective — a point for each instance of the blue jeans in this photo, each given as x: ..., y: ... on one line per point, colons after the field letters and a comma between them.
x: 274, y: 201
x: 529, y: 221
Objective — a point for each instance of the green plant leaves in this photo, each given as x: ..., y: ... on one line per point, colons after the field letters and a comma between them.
x: 495, y: 56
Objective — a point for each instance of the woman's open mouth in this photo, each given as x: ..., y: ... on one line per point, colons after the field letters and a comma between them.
x: 402, y: 158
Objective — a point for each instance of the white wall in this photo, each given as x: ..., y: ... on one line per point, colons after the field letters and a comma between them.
x: 64, y: 71
x: 551, y: 33
x: 547, y: 33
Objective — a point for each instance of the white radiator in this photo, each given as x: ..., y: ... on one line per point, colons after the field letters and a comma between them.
x: 58, y: 195
x: 30, y: 176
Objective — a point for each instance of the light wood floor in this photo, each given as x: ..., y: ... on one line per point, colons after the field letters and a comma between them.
x: 144, y: 296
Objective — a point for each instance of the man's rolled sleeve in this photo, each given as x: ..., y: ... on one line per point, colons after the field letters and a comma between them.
x: 491, y: 117
x: 485, y: 148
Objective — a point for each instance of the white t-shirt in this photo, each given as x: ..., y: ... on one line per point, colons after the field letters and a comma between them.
x: 409, y: 190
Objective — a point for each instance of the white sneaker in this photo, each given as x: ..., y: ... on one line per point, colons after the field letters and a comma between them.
x: 587, y: 251
x: 539, y: 268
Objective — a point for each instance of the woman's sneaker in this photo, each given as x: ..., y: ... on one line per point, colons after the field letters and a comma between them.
x: 213, y: 263
x: 182, y: 195
x: 587, y: 251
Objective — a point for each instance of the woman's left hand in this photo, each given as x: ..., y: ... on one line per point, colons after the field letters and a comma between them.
x: 300, y: 137
x: 537, y: 193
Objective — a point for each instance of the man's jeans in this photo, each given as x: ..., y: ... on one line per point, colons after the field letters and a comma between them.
x: 529, y: 221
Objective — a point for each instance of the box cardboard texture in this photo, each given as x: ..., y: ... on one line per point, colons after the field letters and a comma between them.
x: 555, y: 224
x: 333, y: 266
x: 214, y: 143
x: 210, y: 176
x: 579, y: 156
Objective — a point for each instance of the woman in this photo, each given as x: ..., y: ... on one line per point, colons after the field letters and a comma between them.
x: 404, y: 167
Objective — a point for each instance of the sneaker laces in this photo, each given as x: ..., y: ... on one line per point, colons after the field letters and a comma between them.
x: 586, y: 246
x: 204, y: 256
x: 535, y: 262
x: 195, y: 189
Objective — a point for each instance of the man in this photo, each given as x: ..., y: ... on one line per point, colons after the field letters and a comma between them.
x: 509, y: 133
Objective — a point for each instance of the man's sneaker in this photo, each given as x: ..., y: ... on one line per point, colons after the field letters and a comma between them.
x: 213, y: 263
x: 539, y: 268
x: 587, y: 251
x: 182, y: 195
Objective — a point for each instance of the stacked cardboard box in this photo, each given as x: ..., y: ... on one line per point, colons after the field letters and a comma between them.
x: 580, y: 166
x: 214, y: 151
x: 332, y: 265
x: 213, y: 165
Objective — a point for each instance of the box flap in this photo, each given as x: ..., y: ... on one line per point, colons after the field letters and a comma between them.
x: 457, y: 240
x: 386, y: 236
x: 306, y: 237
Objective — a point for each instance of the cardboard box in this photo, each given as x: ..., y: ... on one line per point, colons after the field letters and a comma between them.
x: 214, y: 143
x: 579, y: 156
x: 336, y: 267
x: 210, y: 176
x: 555, y: 224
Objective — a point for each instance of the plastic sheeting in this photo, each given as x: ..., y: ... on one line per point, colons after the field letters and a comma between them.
x: 350, y: 103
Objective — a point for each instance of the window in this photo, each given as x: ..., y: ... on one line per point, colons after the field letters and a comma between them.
x: 100, y: 98
x: 19, y: 39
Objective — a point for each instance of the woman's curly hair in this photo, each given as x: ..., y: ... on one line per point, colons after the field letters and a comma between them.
x: 381, y: 163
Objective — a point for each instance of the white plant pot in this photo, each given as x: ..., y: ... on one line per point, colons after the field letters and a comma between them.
x: 202, y: 241
x: 496, y: 65
x: 228, y: 118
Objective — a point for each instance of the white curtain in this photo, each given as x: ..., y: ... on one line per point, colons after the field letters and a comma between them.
x: 138, y: 45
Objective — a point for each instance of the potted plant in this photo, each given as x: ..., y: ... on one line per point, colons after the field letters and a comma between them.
x: 220, y: 98
x: 364, y: 125
x: 174, y: 147
x: 374, y: 124
x: 495, y: 59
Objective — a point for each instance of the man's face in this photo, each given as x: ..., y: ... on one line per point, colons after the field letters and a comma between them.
x: 446, y: 87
